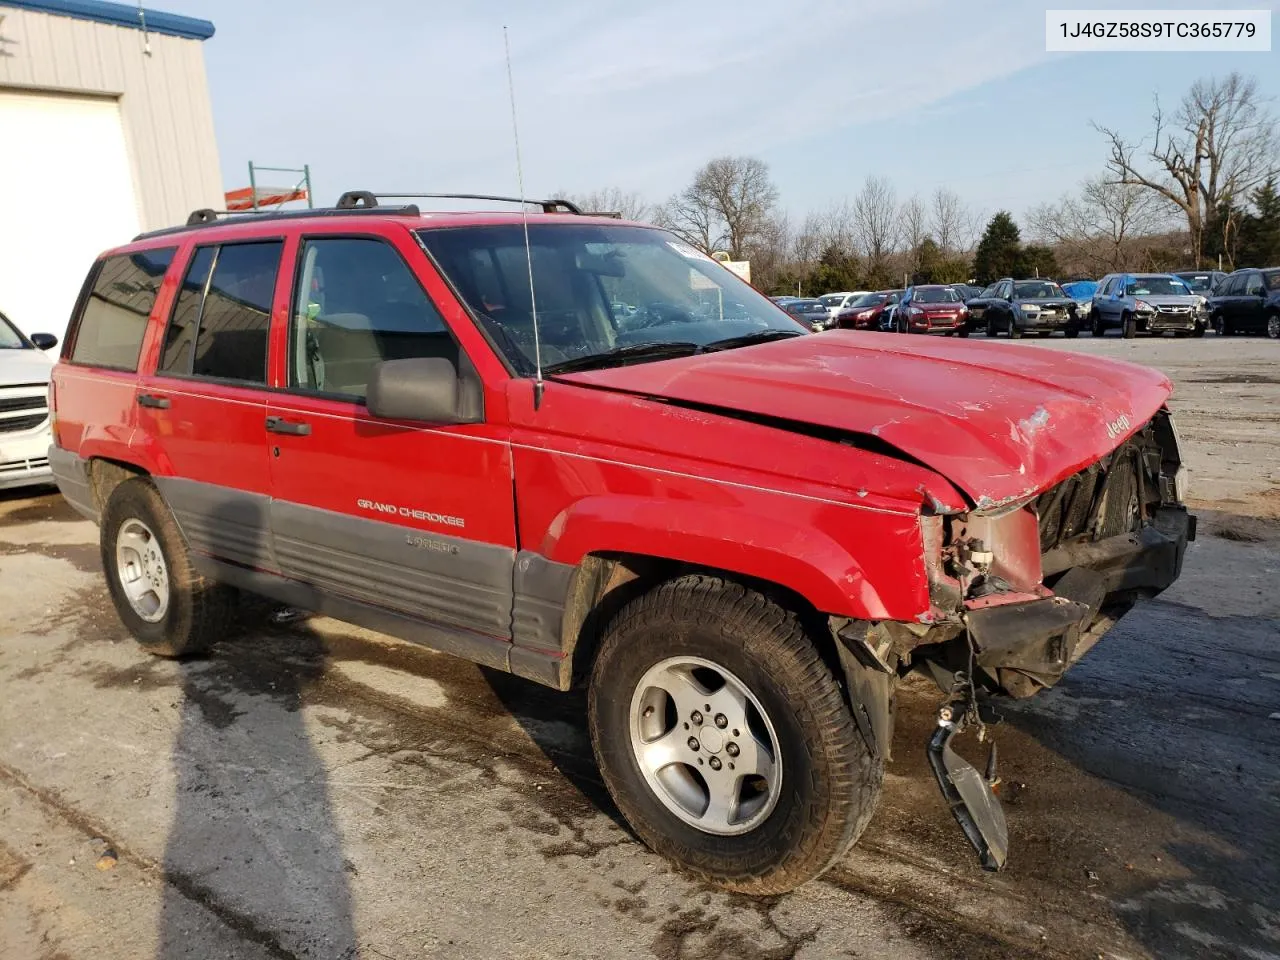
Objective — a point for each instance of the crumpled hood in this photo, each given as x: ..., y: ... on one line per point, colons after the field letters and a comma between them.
x: 24, y: 366
x: 1053, y: 303
x: 1001, y: 422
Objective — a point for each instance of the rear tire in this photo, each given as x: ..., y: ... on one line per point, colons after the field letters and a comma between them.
x: 170, y: 609
x: 1130, y: 326
x: 683, y: 636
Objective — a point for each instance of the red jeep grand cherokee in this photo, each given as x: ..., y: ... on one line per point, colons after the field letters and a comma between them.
x: 739, y: 535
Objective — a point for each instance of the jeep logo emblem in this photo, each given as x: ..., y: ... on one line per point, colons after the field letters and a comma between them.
x: 1117, y: 426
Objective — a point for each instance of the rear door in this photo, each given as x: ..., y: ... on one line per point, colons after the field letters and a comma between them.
x: 203, y: 408
x: 413, y: 518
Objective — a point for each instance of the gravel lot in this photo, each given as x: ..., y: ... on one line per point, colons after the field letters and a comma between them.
x: 313, y: 790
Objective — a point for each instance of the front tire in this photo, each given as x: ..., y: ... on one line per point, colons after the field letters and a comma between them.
x: 170, y: 609
x: 698, y: 678
x: 1130, y: 326
x: 1015, y: 332
x: 1099, y: 329
x: 1071, y: 332
x: 1273, y: 326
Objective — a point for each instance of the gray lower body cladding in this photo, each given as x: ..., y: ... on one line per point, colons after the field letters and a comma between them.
x: 491, y: 604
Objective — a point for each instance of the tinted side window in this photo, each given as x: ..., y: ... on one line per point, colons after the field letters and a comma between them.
x: 231, y: 343
x: 1231, y: 286
x: 1253, y: 284
x: 114, y: 318
x: 356, y: 304
x: 181, y: 332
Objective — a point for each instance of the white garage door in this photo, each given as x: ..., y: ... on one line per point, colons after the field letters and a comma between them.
x: 66, y: 194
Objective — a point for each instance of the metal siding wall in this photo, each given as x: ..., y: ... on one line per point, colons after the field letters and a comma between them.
x: 164, y: 101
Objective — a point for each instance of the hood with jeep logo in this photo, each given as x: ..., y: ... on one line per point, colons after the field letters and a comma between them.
x: 1001, y: 422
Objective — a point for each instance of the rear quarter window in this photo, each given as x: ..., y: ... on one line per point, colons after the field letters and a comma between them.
x: 113, y: 319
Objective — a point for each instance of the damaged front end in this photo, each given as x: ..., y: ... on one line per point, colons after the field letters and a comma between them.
x: 1019, y: 594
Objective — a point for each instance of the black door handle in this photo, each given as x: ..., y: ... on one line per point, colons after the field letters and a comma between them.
x: 151, y: 400
x: 281, y: 425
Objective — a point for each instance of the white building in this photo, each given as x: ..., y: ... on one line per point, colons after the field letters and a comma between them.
x: 106, y: 130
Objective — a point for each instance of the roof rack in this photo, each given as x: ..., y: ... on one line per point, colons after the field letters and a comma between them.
x: 207, y: 217
x: 357, y: 202
x: 365, y: 199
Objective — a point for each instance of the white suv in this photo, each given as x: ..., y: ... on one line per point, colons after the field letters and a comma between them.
x: 835, y: 302
x: 25, y: 434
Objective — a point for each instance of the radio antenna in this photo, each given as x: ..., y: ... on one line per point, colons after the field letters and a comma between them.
x: 524, y: 216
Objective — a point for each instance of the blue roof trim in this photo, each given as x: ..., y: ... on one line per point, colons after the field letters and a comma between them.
x: 120, y: 15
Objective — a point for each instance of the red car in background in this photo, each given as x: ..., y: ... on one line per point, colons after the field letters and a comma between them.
x: 866, y: 311
x: 932, y: 308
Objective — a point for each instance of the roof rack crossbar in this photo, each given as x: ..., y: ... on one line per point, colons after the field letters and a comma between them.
x: 354, y: 199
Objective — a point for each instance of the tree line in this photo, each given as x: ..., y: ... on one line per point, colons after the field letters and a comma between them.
x: 1200, y: 186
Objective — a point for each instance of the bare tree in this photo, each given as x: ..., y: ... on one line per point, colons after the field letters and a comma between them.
x: 1220, y: 143
x: 728, y: 205
x: 951, y: 223
x: 875, y: 223
x: 913, y: 220
x: 631, y: 205
x: 1100, y: 229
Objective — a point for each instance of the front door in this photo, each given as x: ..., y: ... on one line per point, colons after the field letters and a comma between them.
x: 412, y: 518
x: 1249, y: 312
x: 204, y: 405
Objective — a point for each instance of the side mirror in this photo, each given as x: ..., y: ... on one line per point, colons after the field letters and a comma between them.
x: 45, y: 341
x: 426, y: 389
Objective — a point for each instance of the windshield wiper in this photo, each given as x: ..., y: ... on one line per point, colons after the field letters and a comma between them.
x: 760, y: 336
x: 618, y: 355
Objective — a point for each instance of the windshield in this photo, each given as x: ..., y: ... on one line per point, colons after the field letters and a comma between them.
x: 10, y: 338
x: 1156, y: 287
x: 1080, y: 289
x: 870, y: 300
x: 1198, y: 283
x: 935, y: 295
x: 596, y: 288
x: 1036, y: 290
x: 832, y: 299
x: 803, y: 306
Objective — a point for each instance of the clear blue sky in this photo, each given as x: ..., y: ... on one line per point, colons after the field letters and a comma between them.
x: 411, y: 94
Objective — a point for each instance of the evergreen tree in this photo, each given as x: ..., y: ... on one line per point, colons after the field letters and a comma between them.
x: 999, y: 249
x: 1037, y: 262
x: 1260, y: 229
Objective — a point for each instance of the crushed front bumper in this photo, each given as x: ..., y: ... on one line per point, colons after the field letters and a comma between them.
x: 1025, y: 646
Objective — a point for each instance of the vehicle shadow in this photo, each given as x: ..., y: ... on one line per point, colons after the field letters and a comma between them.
x: 254, y: 838
x: 557, y: 724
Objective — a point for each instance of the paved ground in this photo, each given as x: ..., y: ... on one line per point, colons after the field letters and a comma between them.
x: 312, y: 790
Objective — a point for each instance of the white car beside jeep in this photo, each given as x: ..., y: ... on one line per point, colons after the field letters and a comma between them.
x: 25, y: 433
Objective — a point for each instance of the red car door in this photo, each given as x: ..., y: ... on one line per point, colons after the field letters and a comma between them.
x: 410, y: 518
x: 202, y: 409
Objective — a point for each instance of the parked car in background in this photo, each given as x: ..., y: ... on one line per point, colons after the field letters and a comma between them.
x: 889, y: 310
x: 966, y: 291
x: 25, y: 432
x: 835, y: 302
x: 812, y: 313
x: 1203, y: 282
x: 1147, y: 303
x: 1018, y: 307
x: 932, y: 308
x: 865, y: 312
x: 1081, y: 291
x: 1247, y: 301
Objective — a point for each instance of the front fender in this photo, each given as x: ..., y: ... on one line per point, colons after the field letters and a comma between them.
x: 812, y: 554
